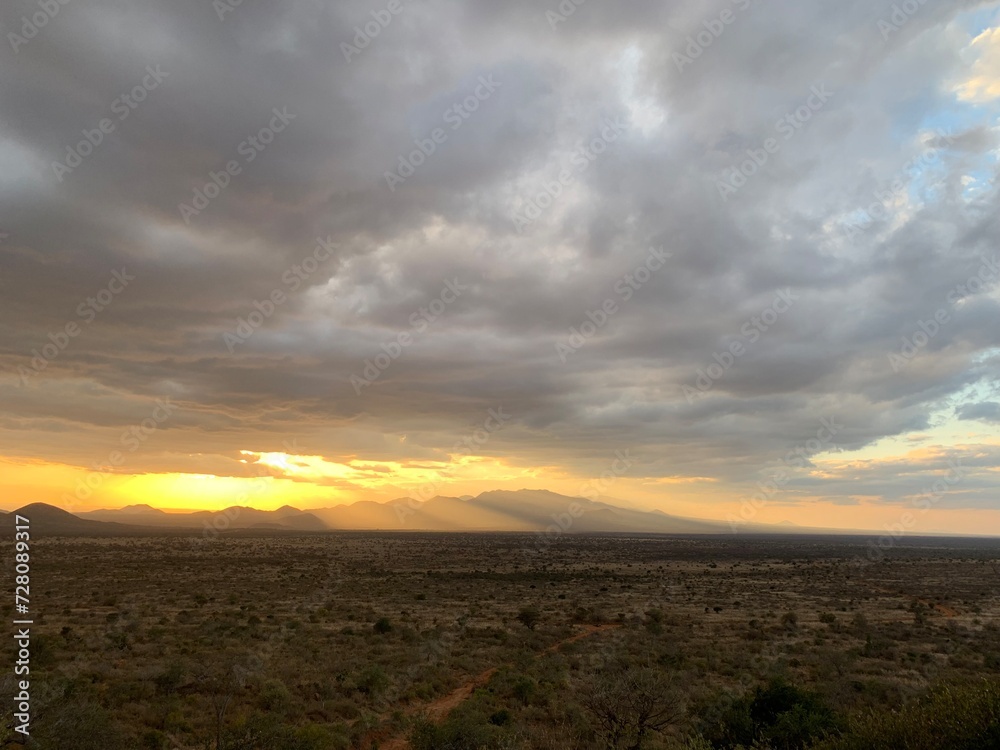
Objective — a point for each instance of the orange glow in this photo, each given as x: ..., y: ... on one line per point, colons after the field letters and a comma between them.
x: 308, y: 482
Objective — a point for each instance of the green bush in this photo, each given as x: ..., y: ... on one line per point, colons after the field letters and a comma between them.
x: 372, y: 681
x: 963, y: 717
x: 81, y: 726
x: 262, y: 732
x: 778, y: 715
x: 524, y: 689
x: 454, y: 734
x: 500, y: 718
x: 275, y: 696
x: 169, y: 679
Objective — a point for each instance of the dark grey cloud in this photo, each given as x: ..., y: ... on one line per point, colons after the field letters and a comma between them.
x: 987, y: 411
x: 859, y: 295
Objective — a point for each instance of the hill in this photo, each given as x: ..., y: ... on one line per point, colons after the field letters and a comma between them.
x: 46, y: 520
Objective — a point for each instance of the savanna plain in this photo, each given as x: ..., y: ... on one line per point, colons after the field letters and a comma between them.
x: 429, y: 640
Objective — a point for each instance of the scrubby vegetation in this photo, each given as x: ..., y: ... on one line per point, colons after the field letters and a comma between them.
x: 466, y: 642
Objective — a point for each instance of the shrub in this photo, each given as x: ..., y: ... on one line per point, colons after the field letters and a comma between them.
x: 154, y: 740
x: 627, y: 705
x: 382, y: 626
x: 372, y: 681
x: 965, y: 717
x: 778, y: 715
x: 500, y: 718
x: 263, y: 732
x: 169, y: 680
x: 458, y: 733
x: 275, y: 696
x: 81, y: 726
x: 524, y: 689
x: 529, y: 617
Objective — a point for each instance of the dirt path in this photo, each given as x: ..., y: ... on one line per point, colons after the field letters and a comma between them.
x: 943, y: 609
x: 438, y: 710
x: 946, y: 611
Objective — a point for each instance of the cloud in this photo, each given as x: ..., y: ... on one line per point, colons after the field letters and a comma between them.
x: 323, y: 176
x: 987, y: 411
x: 983, y: 82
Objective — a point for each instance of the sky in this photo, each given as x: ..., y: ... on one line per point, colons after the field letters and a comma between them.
x: 729, y: 260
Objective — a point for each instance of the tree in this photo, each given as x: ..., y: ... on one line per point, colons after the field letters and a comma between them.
x: 221, y: 686
x: 776, y: 715
x: 529, y: 617
x: 628, y: 704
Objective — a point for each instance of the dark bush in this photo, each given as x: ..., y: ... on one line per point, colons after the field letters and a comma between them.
x: 455, y: 734
x: 263, y: 732
x: 778, y: 715
x: 529, y: 617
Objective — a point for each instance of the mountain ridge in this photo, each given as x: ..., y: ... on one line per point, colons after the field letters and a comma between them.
x: 524, y: 510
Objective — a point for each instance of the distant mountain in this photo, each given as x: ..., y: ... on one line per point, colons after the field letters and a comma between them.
x: 139, y: 510
x: 45, y: 520
x: 499, y: 510
x: 505, y: 510
x: 236, y: 517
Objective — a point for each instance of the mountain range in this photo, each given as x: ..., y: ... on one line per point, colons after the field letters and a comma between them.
x: 499, y: 510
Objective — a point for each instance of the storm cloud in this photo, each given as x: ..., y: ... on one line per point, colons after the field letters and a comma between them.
x: 690, y: 230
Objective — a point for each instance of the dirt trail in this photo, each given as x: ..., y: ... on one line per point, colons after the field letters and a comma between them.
x: 943, y: 609
x: 438, y: 710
